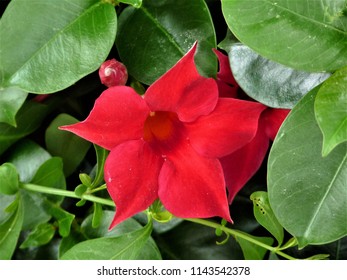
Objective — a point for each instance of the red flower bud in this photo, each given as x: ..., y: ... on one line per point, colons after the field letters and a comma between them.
x: 113, y: 73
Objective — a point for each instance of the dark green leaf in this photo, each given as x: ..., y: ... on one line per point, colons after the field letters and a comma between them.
x: 8, y: 179
x: 59, y: 42
x: 9, y: 232
x: 41, y: 235
x: 268, y: 82
x: 50, y: 174
x: 71, y: 148
x: 124, y: 247
x: 154, y: 37
x: 252, y: 251
x: 307, y: 192
x: 331, y: 110
x: 308, y: 35
x: 190, y: 241
x: 11, y: 99
x: 27, y: 156
x: 265, y: 216
x: 29, y: 118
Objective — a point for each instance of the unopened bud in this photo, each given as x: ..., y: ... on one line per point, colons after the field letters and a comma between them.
x: 113, y: 73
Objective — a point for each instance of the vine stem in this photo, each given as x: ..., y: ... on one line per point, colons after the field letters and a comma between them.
x: 108, y: 202
x: 47, y: 190
x: 240, y: 234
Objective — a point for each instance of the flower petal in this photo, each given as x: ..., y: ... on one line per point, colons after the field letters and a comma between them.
x: 241, y: 165
x: 225, y: 73
x: 183, y: 90
x: 191, y: 186
x: 273, y: 119
x: 118, y: 115
x: 230, y: 126
x: 131, y: 176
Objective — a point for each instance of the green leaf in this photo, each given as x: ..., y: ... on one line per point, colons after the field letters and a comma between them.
x: 172, y: 26
x: 63, y: 217
x: 135, y: 3
x: 101, y: 155
x: 97, y: 215
x: 27, y: 156
x: 307, y: 192
x: 8, y: 204
x: 29, y: 118
x: 191, y: 241
x: 8, y: 179
x: 50, y: 174
x: 252, y: 251
x: 149, y: 251
x: 41, y: 235
x: 71, y: 148
x: 59, y: 42
x: 307, y: 35
x: 331, y: 110
x: 265, y: 216
x: 9, y: 232
x: 11, y: 99
x: 268, y: 82
x: 124, y: 247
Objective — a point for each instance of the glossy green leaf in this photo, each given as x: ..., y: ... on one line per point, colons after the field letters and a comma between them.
x: 124, y: 247
x: 59, y: 42
x: 29, y: 118
x: 331, y: 111
x: 41, y: 235
x: 307, y: 192
x: 50, y: 174
x: 252, y: 251
x: 154, y: 37
x: 11, y: 99
x: 9, y: 232
x: 149, y: 251
x: 71, y: 148
x: 27, y: 156
x: 8, y: 204
x: 308, y: 35
x: 269, y: 82
x: 265, y: 216
x: 8, y: 179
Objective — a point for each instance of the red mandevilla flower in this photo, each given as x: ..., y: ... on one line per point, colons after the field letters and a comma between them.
x: 113, y: 73
x: 242, y: 164
x: 166, y: 144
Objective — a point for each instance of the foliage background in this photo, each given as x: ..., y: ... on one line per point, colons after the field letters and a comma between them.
x: 285, y: 54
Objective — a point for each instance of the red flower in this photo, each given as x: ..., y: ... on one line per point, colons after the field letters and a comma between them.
x: 113, y: 73
x: 242, y: 164
x: 166, y: 144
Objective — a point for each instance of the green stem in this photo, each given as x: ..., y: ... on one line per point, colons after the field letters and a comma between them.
x: 47, y: 190
x: 102, y: 187
x: 240, y: 234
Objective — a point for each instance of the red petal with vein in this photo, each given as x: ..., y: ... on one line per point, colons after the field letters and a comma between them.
x: 241, y: 165
x: 230, y: 126
x: 179, y: 88
x: 131, y: 176
x: 273, y: 118
x: 118, y: 115
x: 191, y: 186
